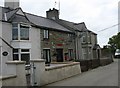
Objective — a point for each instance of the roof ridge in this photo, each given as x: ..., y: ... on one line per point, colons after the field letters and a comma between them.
x: 34, y: 15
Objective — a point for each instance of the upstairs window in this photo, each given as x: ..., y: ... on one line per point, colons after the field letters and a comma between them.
x: 89, y: 38
x: 15, y: 31
x: 46, y: 34
x: 24, y: 33
x: 20, y: 32
x: 83, y: 39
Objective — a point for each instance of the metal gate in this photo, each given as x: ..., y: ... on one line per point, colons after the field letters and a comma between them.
x: 30, y: 74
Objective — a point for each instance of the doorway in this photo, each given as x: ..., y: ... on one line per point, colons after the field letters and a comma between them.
x: 59, y: 55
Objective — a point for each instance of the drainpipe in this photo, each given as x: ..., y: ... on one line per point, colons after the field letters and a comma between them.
x: 76, y: 45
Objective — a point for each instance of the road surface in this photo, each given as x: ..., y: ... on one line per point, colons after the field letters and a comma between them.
x: 101, y: 76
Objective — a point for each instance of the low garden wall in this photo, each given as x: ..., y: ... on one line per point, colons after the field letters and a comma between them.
x: 60, y: 72
x: 91, y: 64
x: 105, y: 61
x: 8, y: 80
x: 15, y: 74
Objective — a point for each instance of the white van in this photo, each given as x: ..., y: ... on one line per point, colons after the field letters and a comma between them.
x: 117, y: 53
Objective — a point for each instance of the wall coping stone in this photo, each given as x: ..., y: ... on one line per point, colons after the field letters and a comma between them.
x: 37, y: 60
x: 15, y: 62
x: 7, y: 77
x: 64, y: 65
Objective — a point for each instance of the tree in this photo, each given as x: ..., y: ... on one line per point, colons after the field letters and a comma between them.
x: 114, y: 41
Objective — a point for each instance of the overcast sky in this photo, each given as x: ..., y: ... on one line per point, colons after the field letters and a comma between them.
x: 97, y: 14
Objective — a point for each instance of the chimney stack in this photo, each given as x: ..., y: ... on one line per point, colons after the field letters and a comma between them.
x: 52, y: 14
x: 13, y: 4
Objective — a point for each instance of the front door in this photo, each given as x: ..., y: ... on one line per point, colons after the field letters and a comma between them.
x: 59, y: 55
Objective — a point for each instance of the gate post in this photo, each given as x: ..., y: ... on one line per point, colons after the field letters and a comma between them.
x: 37, y: 69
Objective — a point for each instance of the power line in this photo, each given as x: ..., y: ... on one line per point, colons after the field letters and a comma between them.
x: 109, y: 27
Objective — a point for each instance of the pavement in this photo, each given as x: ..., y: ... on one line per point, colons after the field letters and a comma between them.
x: 101, y: 76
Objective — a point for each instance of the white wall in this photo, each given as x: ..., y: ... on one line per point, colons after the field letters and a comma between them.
x: 0, y: 46
x: 7, y: 35
x: 35, y: 43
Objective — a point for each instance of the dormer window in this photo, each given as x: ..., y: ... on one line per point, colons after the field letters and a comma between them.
x: 20, y: 32
x: 46, y: 34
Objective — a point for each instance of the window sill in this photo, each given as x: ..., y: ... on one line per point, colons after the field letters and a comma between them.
x: 20, y: 41
x: 44, y: 39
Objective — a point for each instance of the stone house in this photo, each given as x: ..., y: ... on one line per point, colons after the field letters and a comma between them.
x: 86, y: 47
x: 58, y: 46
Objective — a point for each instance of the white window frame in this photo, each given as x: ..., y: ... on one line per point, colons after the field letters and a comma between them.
x: 20, y: 53
x: 89, y: 38
x: 18, y: 27
x: 83, y: 39
x: 46, y: 34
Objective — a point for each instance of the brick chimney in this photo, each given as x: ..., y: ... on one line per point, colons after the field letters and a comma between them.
x: 52, y: 14
x: 13, y: 4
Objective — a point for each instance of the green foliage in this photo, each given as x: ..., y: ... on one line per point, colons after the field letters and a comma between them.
x: 115, y: 41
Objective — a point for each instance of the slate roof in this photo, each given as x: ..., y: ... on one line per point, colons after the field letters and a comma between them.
x: 71, y: 25
x: 74, y: 26
x: 44, y: 22
x: 61, y: 25
x: 36, y: 20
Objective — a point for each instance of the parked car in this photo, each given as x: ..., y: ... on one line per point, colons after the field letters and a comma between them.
x: 117, y: 53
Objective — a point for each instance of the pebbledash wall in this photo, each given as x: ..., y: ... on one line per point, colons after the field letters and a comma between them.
x: 57, y: 40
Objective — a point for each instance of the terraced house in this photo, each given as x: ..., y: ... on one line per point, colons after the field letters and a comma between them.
x: 25, y: 36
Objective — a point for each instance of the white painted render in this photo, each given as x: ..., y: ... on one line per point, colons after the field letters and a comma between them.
x: 33, y: 44
x: 6, y: 35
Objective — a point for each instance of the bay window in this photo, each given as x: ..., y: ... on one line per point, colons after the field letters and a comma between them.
x: 20, y: 32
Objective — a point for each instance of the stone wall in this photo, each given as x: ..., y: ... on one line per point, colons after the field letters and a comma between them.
x: 57, y: 40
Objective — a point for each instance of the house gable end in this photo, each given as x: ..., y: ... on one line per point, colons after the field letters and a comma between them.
x: 20, y: 12
x: 19, y: 16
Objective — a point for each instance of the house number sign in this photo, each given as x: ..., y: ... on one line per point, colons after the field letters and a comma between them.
x: 5, y: 53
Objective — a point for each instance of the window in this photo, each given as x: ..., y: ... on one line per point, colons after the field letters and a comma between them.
x: 84, y: 53
x: 24, y: 33
x: 15, y: 54
x: 20, y: 32
x: 46, y: 34
x: 15, y: 31
x: 46, y: 55
x: 89, y: 38
x: 70, y: 52
x: 83, y: 39
x: 21, y: 55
